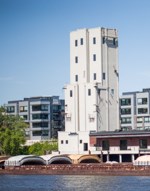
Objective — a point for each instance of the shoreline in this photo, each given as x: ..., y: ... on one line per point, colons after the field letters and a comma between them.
x: 120, y: 169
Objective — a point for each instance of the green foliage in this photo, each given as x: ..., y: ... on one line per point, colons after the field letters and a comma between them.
x: 42, y: 148
x: 12, y: 133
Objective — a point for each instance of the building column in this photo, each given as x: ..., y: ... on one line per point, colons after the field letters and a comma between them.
x: 108, y: 156
x: 133, y: 157
x: 120, y: 158
x: 101, y: 156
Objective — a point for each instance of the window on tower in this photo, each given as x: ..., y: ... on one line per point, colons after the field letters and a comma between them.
x: 89, y: 92
x: 76, y: 78
x: 81, y: 41
x: 76, y: 59
x: 94, y: 57
x: 94, y: 40
x: 76, y: 43
x: 71, y: 94
x: 94, y: 76
x: 114, y: 41
x: 104, y: 76
x: 103, y: 40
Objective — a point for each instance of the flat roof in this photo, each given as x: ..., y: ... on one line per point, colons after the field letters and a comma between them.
x: 119, y: 133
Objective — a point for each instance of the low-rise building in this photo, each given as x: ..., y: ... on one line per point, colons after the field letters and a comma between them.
x: 120, y: 146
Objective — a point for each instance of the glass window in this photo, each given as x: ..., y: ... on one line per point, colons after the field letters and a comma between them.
x: 66, y: 141
x: 10, y: 109
x: 143, y: 144
x: 39, y: 116
x: 76, y: 59
x: 105, y: 145
x: 23, y: 108
x: 76, y: 43
x: 103, y: 40
x: 36, y: 133
x: 40, y: 107
x: 94, y: 40
x: 39, y: 124
x: 80, y: 141
x: 125, y: 111
x: 123, y: 144
x: 142, y: 101
x: 146, y: 119
x: 94, y: 57
x: 62, y: 141
x: 139, y: 120
x: 114, y: 41
x: 125, y: 120
x: 85, y: 147
x: 81, y: 41
x: 44, y: 107
x: 142, y: 110
x: 89, y: 92
x: 76, y: 78
x: 71, y: 94
x: 112, y: 92
x: 94, y: 76
x: 125, y: 101
x: 104, y: 76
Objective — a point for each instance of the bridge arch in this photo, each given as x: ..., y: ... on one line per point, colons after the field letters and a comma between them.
x: 60, y: 160
x: 89, y: 159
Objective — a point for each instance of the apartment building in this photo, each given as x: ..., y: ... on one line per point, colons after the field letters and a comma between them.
x: 91, y: 98
x: 44, y: 115
x: 135, y: 110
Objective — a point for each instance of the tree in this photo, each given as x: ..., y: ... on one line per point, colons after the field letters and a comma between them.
x: 43, y: 147
x: 12, y: 133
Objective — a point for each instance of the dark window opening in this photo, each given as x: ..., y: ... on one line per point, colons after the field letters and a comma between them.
x: 143, y: 144
x: 94, y: 40
x: 76, y: 59
x: 142, y: 110
x: 76, y: 43
x: 104, y: 76
x: 125, y: 111
x: 123, y: 144
x: 94, y: 57
x: 71, y: 94
x: 76, y: 78
x: 85, y: 147
x: 103, y: 40
x: 89, y: 92
x: 125, y: 101
x: 105, y: 145
x: 114, y: 41
x: 94, y: 76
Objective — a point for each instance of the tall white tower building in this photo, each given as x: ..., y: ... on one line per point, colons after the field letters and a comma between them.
x: 91, y: 98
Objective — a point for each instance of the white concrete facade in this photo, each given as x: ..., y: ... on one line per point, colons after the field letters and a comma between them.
x: 91, y: 98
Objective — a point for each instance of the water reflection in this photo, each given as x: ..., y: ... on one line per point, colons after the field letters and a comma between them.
x: 73, y: 183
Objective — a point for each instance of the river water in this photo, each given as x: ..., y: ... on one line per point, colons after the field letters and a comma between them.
x: 73, y: 183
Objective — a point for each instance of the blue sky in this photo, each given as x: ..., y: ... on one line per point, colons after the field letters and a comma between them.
x: 34, y: 43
